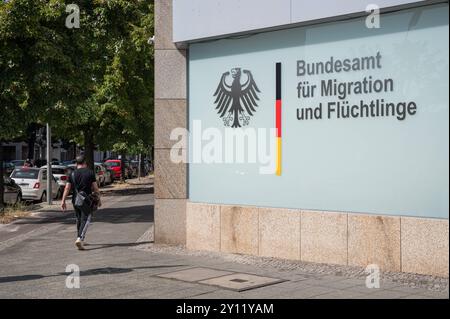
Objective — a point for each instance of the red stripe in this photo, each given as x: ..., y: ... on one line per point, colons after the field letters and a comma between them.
x: 278, y: 118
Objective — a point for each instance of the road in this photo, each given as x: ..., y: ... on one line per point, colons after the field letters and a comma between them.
x: 35, y: 253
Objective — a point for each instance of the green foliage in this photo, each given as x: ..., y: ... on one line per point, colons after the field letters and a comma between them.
x: 95, y: 81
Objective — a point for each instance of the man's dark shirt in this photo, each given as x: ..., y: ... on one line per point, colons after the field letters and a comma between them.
x: 84, y: 177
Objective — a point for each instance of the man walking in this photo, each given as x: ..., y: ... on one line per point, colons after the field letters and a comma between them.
x: 84, y: 184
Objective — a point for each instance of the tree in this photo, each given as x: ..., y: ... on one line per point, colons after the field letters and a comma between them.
x: 118, y: 113
x: 37, y: 66
x: 94, y: 85
x: 128, y: 85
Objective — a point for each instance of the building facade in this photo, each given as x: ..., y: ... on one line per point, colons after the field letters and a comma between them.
x: 312, y: 131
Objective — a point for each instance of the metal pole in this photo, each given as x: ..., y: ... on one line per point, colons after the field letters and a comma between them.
x: 139, y: 168
x: 49, y: 166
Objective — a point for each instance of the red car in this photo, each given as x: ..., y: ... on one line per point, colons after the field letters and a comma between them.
x: 115, y: 166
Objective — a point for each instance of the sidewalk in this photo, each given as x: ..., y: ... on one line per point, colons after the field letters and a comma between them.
x: 122, y: 262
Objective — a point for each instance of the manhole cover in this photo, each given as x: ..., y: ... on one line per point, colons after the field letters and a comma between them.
x: 194, y: 274
x: 241, y: 282
x: 238, y: 280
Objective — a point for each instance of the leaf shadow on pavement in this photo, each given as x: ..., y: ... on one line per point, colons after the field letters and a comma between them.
x: 105, y: 246
x: 127, y: 191
x: 88, y: 272
x: 116, y: 215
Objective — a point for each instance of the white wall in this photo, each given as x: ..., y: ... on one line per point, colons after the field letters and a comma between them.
x: 201, y: 19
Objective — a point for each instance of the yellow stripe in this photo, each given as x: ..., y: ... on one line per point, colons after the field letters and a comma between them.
x: 278, y: 172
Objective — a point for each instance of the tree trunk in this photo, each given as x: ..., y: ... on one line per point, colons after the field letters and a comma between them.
x: 122, y: 173
x: 31, y: 140
x: 152, y: 159
x: 74, y: 150
x: 2, y: 186
x: 89, y: 149
x: 142, y: 166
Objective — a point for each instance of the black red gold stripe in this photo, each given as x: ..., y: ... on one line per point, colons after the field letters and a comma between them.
x: 278, y: 114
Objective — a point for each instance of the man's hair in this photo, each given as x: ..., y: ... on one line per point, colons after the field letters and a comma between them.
x: 81, y: 160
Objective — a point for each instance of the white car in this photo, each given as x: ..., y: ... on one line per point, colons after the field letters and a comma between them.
x: 102, y: 174
x: 61, y: 174
x: 33, y: 182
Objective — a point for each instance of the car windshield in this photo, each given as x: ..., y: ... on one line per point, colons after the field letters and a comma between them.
x: 112, y: 164
x: 25, y: 173
x: 58, y: 171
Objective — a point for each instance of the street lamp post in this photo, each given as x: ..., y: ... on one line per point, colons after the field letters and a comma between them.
x: 49, y: 166
x: 139, y: 167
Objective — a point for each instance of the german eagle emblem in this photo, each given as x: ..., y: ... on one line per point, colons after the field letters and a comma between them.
x: 236, y: 102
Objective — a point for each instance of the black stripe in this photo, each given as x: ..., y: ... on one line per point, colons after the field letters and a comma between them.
x: 278, y: 81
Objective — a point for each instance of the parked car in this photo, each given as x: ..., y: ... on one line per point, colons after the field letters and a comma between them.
x: 110, y: 173
x: 147, y: 166
x: 115, y: 166
x: 100, y: 174
x: 8, y: 167
x: 43, y: 162
x: 18, y: 163
x: 129, y: 171
x: 33, y: 183
x: 67, y: 163
x: 135, y: 168
x: 13, y: 192
x: 107, y: 174
x: 71, y: 168
x: 61, y: 174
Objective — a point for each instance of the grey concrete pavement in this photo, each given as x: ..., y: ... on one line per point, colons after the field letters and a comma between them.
x: 121, y: 262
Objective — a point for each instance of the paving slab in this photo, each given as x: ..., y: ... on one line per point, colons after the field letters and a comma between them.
x: 115, y: 265
x: 386, y: 294
x: 308, y: 292
x: 220, y: 294
x: 241, y: 282
x: 195, y: 274
x: 340, y: 294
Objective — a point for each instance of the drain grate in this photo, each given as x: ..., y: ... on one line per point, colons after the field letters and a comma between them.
x: 241, y: 282
x: 194, y: 274
x: 221, y: 278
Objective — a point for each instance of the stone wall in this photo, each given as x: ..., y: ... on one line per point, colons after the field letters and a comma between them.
x: 394, y: 243
x: 170, y: 113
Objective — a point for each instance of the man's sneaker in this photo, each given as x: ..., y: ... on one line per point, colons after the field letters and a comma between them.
x: 79, y: 244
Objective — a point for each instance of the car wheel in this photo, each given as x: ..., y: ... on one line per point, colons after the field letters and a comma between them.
x: 43, y: 197
x: 58, y: 194
x: 18, y: 199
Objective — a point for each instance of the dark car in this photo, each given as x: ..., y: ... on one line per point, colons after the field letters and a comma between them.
x: 134, y: 165
x: 40, y: 162
x: 18, y: 163
x: 13, y: 192
x: 129, y: 170
x: 8, y: 168
x: 67, y: 163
